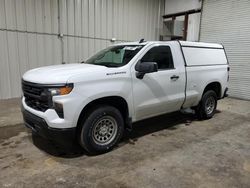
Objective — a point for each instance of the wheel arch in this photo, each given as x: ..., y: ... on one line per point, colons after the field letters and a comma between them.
x: 116, y: 101
x: 215, y: 86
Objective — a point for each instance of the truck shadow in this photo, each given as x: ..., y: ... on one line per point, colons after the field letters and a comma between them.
x: 140, y: 129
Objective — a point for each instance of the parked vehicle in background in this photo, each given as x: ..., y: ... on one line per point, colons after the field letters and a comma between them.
x: 93, y: 102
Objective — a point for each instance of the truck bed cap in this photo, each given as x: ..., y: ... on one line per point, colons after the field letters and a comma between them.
x: 200, y: 44
x: 183, y: 44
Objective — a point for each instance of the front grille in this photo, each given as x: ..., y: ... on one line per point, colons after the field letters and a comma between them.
x: 36, y: 96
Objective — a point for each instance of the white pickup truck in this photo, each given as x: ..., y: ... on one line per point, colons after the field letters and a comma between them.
x: 94, y: 101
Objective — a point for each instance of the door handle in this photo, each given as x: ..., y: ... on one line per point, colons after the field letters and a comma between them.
x: 174, y: 77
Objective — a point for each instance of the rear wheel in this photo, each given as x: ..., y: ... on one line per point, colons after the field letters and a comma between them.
x: 102, y: 129
x: 207, y: 106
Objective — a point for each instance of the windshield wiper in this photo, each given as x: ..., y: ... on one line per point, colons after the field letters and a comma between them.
x: 108, y: 64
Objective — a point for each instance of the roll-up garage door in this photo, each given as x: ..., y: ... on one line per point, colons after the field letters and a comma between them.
x: 228, y: 22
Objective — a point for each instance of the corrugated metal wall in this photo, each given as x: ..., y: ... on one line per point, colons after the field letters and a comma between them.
x: 227, y: 22
x: 29, y: 32
x: 28, y: 39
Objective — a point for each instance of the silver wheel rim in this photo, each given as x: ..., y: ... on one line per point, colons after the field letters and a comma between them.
x: 210, y: 105
x: 105, y: 130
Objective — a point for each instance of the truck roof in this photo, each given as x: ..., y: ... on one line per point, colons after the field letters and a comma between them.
x: 183, y: 44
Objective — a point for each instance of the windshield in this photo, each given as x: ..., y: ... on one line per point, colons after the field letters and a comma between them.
x: 115, y: 56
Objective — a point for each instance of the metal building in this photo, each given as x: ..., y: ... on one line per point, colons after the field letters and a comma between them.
x: 36, y: 33
x: 227, y: 22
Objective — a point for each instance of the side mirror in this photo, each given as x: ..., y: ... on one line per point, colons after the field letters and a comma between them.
x: 143, y: 68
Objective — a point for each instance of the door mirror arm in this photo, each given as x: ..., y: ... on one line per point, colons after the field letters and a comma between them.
x: 143, y: 68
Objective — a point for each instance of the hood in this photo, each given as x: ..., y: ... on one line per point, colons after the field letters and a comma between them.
x: 59, y: 73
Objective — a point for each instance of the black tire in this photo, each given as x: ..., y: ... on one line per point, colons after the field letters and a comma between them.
x: 202, y: 110
x: 102, y: 117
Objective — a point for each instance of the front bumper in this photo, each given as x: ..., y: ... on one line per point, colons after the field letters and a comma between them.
x: 51, y: 117
x: 38, y: 125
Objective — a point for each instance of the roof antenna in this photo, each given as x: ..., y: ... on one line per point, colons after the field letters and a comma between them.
x: 141, y: 41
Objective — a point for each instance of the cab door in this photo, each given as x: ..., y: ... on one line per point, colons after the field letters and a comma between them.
x: 162, y: 91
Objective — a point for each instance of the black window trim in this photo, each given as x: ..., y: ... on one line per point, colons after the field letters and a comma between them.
x: 159, y: 45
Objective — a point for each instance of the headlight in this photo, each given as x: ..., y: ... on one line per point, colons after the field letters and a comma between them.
x: 61, y: 90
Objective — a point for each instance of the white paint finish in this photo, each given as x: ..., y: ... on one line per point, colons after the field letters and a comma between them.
x: 201, y: 44
x: 153, y: 95
x: 201, y: 56
x: 156, y: 93
x: 198, y: 77
x: 59, y: 73
x: 227, y: 22
x: 173, y: 6
x: 51, y: 117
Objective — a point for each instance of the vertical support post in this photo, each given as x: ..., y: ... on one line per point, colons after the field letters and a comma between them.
x: 60, y: 34
x: 185, y: 27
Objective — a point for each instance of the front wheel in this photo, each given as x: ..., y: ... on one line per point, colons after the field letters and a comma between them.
x: 102, y: 129
x: 207, y: 106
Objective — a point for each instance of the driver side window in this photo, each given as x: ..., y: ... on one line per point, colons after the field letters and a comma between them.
x: 161, y: 55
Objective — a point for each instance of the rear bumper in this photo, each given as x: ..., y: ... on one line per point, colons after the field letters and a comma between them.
x: 38, y: 125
